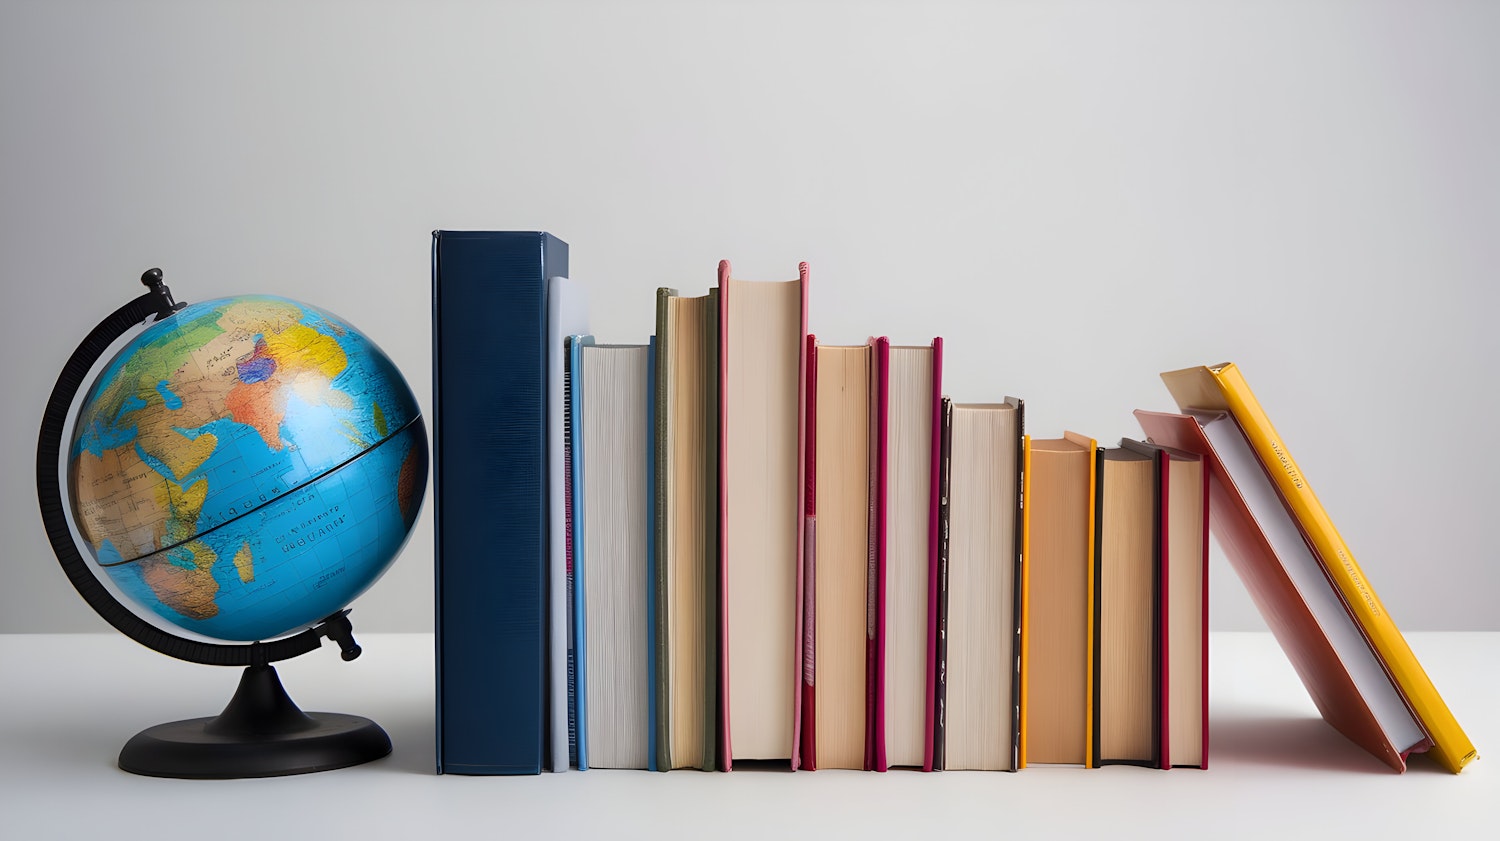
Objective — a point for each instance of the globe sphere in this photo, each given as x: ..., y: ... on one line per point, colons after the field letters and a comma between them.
x: 247, y: 466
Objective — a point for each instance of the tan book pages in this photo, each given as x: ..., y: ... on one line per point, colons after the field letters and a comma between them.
x: 689, y: 503
x: 1057, y: 639
x: 841, y: 553
x: 763, y: 340
x: 1127, y: 583
x: 1185, y: 612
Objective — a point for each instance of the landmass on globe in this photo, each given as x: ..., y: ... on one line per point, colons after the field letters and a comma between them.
x: 247, y: 466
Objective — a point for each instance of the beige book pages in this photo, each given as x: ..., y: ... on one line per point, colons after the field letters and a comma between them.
x: 764, y: 346
x: 842, y: 554
x: 689, y: 503
x: 616, y: 499
x: 981, y: 588
x: 1127, y: 585
x: 1185, y: 612
x: 908, y: 509
x: 1057, y: 643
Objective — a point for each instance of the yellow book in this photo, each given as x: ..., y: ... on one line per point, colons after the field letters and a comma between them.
x: 1223, y: 388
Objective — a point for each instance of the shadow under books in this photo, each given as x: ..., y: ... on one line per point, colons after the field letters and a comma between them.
x: 1253, y: 737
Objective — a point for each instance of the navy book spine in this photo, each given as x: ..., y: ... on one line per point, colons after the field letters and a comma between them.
x: 489, y: 294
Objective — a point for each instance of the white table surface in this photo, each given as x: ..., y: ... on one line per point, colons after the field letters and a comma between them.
x: 68, y: 703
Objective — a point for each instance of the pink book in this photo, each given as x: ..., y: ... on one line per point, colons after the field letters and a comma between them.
x: 808, y: 743
x: 882, y: 498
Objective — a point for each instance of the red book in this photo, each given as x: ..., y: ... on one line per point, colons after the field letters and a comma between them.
x: 839, y: 577
x: 880, y: 396
x: 808, y: 661
x: 906, y: 422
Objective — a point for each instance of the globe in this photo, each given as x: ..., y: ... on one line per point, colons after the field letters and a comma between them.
x: 245, y: 467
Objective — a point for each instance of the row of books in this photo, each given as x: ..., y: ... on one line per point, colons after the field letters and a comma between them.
x: 736, y: 543
x: 914, y: 594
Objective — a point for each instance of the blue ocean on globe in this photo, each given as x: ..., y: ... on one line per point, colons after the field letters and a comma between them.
x: 247, y: 466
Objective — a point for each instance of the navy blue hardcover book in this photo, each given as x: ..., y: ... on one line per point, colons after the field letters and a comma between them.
x: 489, y: 382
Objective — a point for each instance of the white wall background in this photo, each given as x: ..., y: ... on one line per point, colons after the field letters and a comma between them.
x: 1076, y: 195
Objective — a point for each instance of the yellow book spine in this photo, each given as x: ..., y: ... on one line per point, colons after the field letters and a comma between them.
x: 1025, y: 591
x: 1451, y: 747
x: 1088, y: 702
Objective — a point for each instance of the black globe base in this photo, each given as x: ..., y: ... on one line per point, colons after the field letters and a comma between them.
x: 261, y: 733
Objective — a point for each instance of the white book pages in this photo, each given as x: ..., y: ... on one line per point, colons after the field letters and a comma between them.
x: 1306, y: 573
x: 981, y: 589
x: 616, y: 499
x: 908, y: 511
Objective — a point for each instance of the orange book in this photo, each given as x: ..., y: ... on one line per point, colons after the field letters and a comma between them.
x: 1057, y: 610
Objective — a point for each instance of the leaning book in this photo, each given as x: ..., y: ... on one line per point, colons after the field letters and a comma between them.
x: 1223, y: 388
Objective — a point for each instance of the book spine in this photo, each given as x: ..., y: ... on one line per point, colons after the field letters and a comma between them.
x: 875, y: 756
x: 661, y: 721
x: 725, y: 737
x: 804, y: 429
x: 809, y: 741
x: 580, y: 565
x: 568, y: 514
x: 1018, y: 584
x: 934, y: 540
x: 940, y: 654
x: 1451, y: 746
x: 489, y: 303
x: 1021, y: 658
x: 710, y: 513
x: 657, y: 698
x: 1202, y: 561
x: 1096, y: 564
x: 1093, y: 539
x: 1161, y: 524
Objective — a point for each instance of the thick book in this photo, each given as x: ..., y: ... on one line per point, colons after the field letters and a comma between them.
x: 1056, y: 663
x: 1264, y: 545
x: 611, y: 566
x: 907, y: 417
x: 980, y: 618
x: 837, y: 552
x: 567, y: 315
x: 686, y: 552
x: 762, y: 363
x: 1223, y: 388
x: 1127, y: 610
x: 490, y: 466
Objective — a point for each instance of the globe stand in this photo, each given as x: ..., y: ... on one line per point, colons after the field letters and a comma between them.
x: 261, y: 733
